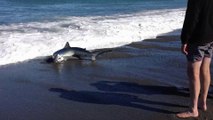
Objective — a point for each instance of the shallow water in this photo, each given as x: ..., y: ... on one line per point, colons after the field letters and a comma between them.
x: 31, y: 28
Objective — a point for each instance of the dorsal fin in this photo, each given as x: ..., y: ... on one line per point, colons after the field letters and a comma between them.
x: 67, y: 45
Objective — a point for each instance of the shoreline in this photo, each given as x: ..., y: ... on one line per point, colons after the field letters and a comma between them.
x: 143, y: 80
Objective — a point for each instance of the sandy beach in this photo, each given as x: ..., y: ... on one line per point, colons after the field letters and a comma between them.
x: 141, y: 81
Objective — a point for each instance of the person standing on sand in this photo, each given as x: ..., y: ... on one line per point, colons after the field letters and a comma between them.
x: 197, y: 45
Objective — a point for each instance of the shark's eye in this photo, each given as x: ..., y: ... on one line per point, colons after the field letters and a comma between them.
x: 59, y: 58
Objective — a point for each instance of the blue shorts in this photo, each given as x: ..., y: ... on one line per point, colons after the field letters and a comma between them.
x: 197, y: 53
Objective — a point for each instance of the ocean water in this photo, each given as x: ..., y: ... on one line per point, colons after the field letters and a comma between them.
x: 36, y: 28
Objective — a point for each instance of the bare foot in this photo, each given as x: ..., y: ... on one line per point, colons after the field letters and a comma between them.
x: 187, y: 114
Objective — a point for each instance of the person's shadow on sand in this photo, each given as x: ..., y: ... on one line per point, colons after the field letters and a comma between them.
x: 106, y: 98
x: 126, y: 87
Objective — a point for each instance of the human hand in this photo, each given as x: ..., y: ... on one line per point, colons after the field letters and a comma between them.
x: 184, y: 49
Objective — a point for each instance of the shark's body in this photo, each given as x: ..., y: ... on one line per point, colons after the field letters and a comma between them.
x: 74, y: 52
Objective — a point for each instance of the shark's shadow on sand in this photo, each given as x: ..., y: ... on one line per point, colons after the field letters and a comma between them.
x: 110, y: 96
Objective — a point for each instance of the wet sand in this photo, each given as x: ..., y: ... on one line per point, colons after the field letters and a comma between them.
x: 141, y: 81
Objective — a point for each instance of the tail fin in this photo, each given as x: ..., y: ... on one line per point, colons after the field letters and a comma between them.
x: 97, y: 53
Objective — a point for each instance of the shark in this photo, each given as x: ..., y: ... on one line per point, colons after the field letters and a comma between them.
x: 68, y: 52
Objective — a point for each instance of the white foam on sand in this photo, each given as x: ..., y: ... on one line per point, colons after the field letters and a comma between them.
x: 24, y: 41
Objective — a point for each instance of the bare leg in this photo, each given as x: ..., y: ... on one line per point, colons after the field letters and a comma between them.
x: 205, y: 82
x: 193, y: 71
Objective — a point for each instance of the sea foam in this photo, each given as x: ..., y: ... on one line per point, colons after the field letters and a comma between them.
x: 24, y: 41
